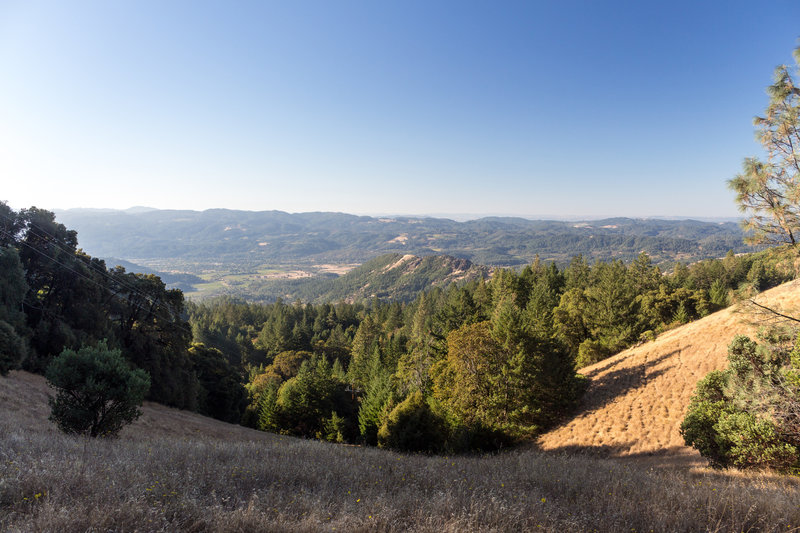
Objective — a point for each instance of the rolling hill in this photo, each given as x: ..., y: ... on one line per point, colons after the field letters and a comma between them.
x: 262, y: 256
x: 389, y: 277
x: 637, y: 399
x: 194, y: 240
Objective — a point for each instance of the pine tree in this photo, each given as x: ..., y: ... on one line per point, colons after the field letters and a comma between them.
x: 770, y: 190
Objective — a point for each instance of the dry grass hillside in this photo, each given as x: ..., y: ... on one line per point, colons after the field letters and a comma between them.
x: 637, y: 399
x: 178, y: 471
x: 23, y: 400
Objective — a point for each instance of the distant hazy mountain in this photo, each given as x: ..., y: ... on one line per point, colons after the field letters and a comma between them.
x: 191, y: 240
x: 173, y: 280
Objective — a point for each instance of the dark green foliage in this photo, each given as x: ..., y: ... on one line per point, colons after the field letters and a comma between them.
x: 377, y: 397
x: 54, y: 296
x: 478, y: 438
x: 745, y: 416
x: 154, y: 336
x: 269, y: 418
x: 707, y: 407
x: 718, y: 294
x: 64, y: 306
x: 590, y: 352
x: 13, y: 287
x: 305, y: 405
x: 222, y: 395
x: 13, y: 344
x: 12, y: 348
x: 97, y: 392
x: 412, y: 426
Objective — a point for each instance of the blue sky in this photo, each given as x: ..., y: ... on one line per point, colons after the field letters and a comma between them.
x: 569, y: 108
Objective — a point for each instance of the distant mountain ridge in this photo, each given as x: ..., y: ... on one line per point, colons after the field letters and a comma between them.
x: 166, y: 238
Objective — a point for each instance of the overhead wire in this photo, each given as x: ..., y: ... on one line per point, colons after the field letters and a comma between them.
x: 113, y: 294
x: 48, y: 237
x: 102, y: 271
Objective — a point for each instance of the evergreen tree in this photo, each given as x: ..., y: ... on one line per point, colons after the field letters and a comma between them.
x: 769, y: 191
x: 376, y: 399
x: 13, y: 345
x: 97, y: 393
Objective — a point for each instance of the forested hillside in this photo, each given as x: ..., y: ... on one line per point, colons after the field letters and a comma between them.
x: 262, y: 256
x: 470, y: 366
x: 474, y: 365
x: 389, y: 277
x: 276, y: 237
x: 637, y: 399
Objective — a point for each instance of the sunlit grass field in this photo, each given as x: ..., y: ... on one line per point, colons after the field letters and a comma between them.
x: 637, y: 399
x: 176, y: 471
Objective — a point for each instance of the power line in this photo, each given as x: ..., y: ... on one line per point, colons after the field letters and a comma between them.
x: 48, y: 237
x: 113, y: 294
x: 104, y: 272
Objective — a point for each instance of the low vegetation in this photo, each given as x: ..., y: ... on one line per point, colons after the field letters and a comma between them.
x: 748, y: 415
x: 97, y: 392
x: 175, y: 471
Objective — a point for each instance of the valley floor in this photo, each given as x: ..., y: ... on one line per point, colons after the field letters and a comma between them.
x: 176, y: 471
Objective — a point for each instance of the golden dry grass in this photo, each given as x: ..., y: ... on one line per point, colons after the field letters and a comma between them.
x: 637, y: 399
x: 167, y: 474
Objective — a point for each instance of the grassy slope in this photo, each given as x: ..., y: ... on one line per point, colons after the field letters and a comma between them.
x: 174, y: 470
x: 637, y: 399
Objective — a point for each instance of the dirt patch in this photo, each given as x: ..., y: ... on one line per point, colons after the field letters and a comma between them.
x: 336, y: 269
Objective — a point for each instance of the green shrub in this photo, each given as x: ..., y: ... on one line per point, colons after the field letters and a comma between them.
x: 479, y: 438
x: 412, y: 426
x: 97, y: 393
x: 590, y: 352
x: 743, y: 416
x: 12, y: 348
x: 647, y: 336
x: 334, y: 429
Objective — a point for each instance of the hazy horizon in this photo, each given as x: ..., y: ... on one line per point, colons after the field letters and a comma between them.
x: 459, y: 217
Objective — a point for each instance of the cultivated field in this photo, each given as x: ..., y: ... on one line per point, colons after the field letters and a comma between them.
x: 177, y: 471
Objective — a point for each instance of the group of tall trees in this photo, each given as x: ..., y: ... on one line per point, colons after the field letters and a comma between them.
x: 477, y: 364
x: 53, y: 297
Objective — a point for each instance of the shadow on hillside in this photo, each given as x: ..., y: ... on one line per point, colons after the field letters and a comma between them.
x: 670, y: 458
x: 608, y: 363
x: 615, y: 383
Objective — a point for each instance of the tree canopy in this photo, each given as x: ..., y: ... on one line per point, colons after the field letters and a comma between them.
x: 769, y: 191
x: 97, y: 393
